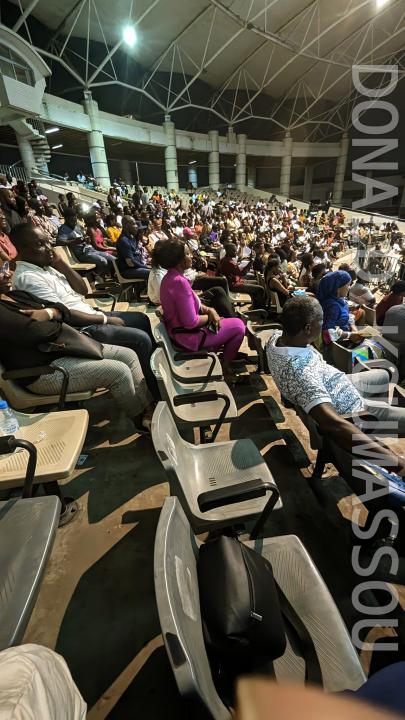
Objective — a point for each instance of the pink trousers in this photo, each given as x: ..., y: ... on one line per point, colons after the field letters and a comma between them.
x: 230, y: 337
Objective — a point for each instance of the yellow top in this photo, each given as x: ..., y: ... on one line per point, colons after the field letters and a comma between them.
x: 113, y: 233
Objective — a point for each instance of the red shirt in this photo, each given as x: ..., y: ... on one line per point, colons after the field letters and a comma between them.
x: 232, y: 272
x: 7, y: 246
x: 387, y: 302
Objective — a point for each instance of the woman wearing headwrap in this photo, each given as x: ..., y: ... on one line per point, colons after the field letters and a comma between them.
x: 332, y: 294
x: 394, y: 297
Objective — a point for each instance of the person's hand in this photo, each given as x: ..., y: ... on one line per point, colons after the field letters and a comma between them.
x: 355, y: 337
x: 57, y: 262
x: 115, y: 321
x: 213, y: 317
x: 39, y: 315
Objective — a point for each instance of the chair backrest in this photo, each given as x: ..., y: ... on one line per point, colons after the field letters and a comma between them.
x: 275, y: 302
x: 370, y: 316
x: 162, y: 338
x: 16, y: 396
x: 27, y: 532
x: 176, y: 587
x: 168, y: 386
x: 172, y: 450
x: 341, y: 358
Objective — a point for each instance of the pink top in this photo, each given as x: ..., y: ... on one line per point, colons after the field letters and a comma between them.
x: 180, y: 309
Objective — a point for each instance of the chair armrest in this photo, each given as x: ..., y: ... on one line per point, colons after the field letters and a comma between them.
x: 107, y: 295
x: 9, y: 443
x: 398, y: 399
x: 186, y: 331
x: 371, y: 364
x: 37, y: 372
x: 201, y: 397
x: 231, y: 494
x: 193, y: 356
x: 196, y: 398
x: 198, y: 356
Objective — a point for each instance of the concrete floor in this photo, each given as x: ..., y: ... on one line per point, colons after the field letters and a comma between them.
x: 117, y: 490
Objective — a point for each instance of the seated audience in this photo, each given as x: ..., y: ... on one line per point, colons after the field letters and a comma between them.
x: 359, y: 292
x: 7, y: 249
x: 307, y: 264
x: 332, y: 293
x: 318, y: 272
x: 183, y: 309
x: 130, y: 257
x: 394, y: 297
x: 95, y: 235
x: 41, y: 272
x: 231, y: 270
x: 9, y: 206
x: 113, y: 228
x: 276, y: 280
x: 72, y: 235
x: 322, y: 391
x: 36, y: 329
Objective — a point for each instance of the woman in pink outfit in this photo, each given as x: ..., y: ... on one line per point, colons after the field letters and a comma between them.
x: 183, y: 309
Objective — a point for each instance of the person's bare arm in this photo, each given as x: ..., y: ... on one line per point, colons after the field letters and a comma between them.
x: 276, y: 285
x: 348, y: 436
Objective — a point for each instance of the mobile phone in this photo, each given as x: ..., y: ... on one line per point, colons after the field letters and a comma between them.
x: 213, y: 328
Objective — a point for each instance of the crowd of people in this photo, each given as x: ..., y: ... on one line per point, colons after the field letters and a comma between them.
x: 194, y: 253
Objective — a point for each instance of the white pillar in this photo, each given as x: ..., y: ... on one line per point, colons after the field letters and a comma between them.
x: 309, y: 176
x: 285, y: 174
x: 241, y: 163
x: 95, y: 139
x: 125, y: 171
x: 172, y: 178
x: 251, y: 176
x: 213, y: 160
x: 340, y: 170
x: 192, y: 175
x: 26, y: 154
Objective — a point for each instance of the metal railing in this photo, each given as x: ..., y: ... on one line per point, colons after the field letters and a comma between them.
x: 14, y: 171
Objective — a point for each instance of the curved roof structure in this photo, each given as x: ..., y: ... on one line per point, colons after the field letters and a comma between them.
x: 266, y: 64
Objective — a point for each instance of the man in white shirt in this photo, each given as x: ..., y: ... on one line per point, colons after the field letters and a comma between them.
x: 322, y: 391
x: 44, y: 274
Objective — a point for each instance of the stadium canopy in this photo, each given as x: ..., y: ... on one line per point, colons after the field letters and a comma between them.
x: 259, y: 66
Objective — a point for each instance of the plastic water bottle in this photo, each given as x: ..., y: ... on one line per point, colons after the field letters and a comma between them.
x: 9, y: 424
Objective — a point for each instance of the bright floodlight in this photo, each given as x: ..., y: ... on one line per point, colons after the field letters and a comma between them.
x: 129, y: 35
x: 55, y: 147
x: 50, y: 130
x: 380, y: 3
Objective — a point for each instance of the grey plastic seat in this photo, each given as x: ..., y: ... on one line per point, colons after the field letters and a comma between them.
x: 258, y: 336
x: 21, y: 398
x: 219, y: 483
x: 177, y: 595
x: 27, y: 533
x: 188, y: 367
x: 200, y: 405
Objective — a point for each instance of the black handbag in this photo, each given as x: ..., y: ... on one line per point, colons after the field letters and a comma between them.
x: 72, y: 343
x: 246, y: 616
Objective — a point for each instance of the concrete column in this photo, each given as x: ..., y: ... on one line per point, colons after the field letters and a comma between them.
x: 340, y: 170
x: 286, y: 161
x: 241, y: 163
x: 309, y: 176
x: 192, y: 175
x: 231, y: 134
x: 251, y: 176
x: 125, y: 171
x: 172, y: 178
x: 26, y: 154
x: 95, y: 139
x: 213, y: 160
